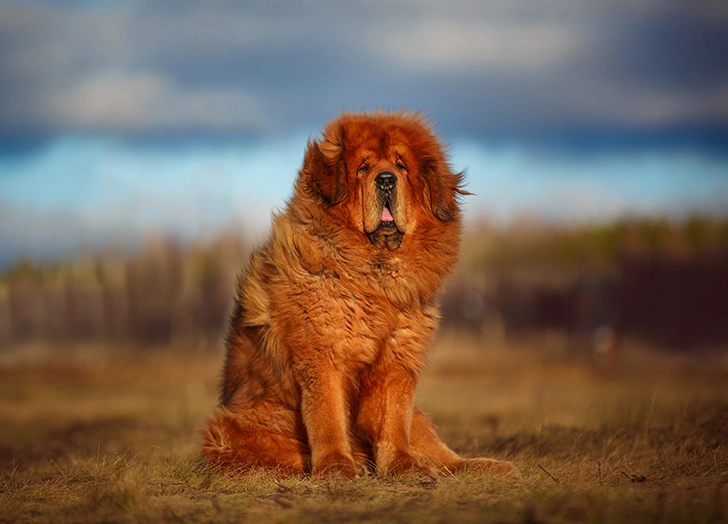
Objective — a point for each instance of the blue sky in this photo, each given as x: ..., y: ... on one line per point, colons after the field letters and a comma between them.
x: 120, y: 119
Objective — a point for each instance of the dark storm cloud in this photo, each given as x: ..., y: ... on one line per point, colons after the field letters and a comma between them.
x: 518, y: 69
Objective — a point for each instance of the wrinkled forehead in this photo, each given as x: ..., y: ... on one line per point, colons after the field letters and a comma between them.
x: 379, y: 142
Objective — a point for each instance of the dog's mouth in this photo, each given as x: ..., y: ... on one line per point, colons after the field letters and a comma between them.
x: 387, y: 234
x: 387, y: 220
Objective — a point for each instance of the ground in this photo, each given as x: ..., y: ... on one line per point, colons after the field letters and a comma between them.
x: 112, y: 434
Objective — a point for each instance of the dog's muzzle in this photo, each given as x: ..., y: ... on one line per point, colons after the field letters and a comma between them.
x: 386, y: 182
x: 387, y: 234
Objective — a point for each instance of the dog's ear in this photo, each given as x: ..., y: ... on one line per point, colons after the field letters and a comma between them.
x: 444, y: 188
x: 324, y: 171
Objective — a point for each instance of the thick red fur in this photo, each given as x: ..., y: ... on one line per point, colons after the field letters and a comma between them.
x: 336, y: 311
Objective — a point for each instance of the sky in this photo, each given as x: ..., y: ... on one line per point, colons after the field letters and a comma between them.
x: 120, y: 119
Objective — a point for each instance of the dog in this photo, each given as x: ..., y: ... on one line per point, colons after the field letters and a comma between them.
x: 335, y: 311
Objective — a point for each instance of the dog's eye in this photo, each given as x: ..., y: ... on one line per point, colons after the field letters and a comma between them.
x: 363, y: 169
x: 401, y: 166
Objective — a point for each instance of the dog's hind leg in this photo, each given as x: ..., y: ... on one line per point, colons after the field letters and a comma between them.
x: 238, y: 443
x: 428, y: 449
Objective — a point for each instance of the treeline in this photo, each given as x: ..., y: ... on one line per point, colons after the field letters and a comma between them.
x: 662, y: 281
x: 165, y: 291
x: 531, y: 245
x: 658, y: 279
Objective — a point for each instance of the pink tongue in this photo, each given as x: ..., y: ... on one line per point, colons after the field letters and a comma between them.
x: 387, y: 215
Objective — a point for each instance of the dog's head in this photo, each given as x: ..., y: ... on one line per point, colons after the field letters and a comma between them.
x: 386, y: 174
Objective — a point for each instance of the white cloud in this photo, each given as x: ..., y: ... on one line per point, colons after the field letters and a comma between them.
x: 123, y: 100
x: 477, y: 46
x: 607, y: 102
x: 483, y: 65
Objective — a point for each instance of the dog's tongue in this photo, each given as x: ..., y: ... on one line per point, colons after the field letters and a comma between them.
x: 387, y: 215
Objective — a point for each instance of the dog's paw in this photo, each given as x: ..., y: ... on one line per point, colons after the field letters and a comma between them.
x: 336, y: 465
x: 403, y: 464
x: 486, y: 466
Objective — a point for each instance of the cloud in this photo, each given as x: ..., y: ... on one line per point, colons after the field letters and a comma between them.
x: 464, y: 46
x: 128, y: 101
x: 519, y: 69
x: 228, y: 91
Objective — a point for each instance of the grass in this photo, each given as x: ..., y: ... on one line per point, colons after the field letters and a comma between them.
x: 92, y: 434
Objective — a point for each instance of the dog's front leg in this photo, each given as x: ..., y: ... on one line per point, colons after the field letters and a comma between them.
x: 385, y: 416
x: 325, y: 416
x: 386, y: 399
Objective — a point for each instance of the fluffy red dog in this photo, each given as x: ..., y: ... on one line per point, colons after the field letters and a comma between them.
x: 336, y: 310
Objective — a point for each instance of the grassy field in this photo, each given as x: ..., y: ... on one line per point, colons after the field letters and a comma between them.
x: 93, y: 434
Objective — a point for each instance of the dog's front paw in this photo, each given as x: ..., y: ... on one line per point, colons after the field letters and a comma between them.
x: 336, y: 465
x: 488, y: 466
x: 403, y: 464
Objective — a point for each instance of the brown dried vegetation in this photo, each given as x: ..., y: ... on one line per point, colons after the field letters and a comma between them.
x: 88, y: 436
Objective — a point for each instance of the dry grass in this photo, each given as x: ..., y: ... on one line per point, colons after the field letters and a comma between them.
x: 95, y: 434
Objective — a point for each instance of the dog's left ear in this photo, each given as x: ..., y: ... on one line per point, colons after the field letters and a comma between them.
x: 324, y: 171
x: 444, y: 188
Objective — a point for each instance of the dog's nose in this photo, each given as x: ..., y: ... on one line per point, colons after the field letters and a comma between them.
x: 386, y: 180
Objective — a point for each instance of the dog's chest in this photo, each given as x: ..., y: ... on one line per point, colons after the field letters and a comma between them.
x: 364, y: 321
